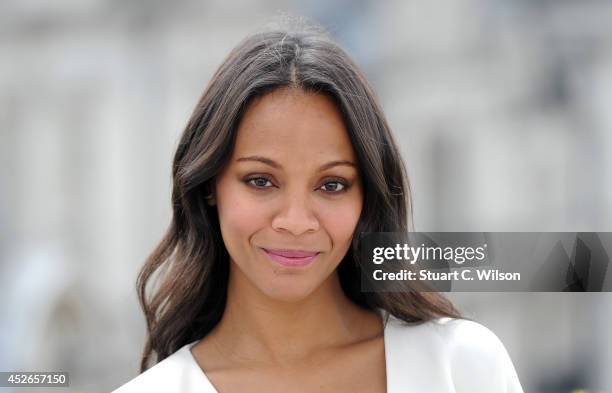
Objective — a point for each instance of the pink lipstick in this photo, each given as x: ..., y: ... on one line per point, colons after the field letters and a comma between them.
x: 291, y: 258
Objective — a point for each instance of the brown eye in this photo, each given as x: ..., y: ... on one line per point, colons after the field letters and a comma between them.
x: 333, y: 187
x: 259, y: 182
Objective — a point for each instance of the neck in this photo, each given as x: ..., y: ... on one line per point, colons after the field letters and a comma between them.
x: 270, y: 331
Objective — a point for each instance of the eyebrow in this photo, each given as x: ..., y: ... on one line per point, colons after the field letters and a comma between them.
x: 274, y: 164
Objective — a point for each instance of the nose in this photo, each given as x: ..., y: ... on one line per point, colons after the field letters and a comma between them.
x: 296, y: 216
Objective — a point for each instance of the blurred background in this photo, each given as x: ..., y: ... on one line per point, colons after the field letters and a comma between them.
x: 502, y: 110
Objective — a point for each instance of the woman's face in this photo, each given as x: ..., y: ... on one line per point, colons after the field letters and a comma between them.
x: 290, y: 197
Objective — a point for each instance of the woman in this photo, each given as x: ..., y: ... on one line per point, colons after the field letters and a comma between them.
x: 286, y: 159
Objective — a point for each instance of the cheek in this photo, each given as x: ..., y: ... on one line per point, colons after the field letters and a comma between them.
x: 340, y: 222
x: 239, y: 217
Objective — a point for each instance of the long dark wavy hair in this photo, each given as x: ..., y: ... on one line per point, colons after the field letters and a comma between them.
x: 189, y: 268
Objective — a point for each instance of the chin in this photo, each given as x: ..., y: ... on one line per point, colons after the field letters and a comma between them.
x: 289, y: 291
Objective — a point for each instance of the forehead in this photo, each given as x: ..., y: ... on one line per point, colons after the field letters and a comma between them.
x: 293, y: 125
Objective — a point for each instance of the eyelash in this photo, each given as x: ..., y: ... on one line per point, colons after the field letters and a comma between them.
x: 345, y: 184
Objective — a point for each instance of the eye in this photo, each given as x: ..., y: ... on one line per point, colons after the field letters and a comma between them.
x: 259, y: 182
x: 334, y: 187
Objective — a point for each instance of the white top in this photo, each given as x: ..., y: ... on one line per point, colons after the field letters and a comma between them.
x: 440, y: 356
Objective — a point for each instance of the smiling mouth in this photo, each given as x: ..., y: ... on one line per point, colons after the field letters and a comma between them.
x: 291, y: 258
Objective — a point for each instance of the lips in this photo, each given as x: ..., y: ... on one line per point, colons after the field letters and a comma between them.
x: 291, y: 258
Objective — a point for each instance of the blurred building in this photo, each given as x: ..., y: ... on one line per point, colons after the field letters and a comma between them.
x: 501, y: 109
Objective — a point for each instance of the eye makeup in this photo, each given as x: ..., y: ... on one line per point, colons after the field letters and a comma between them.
x: 263, y: 182
x: 258, y: 181
x: 345, y: 184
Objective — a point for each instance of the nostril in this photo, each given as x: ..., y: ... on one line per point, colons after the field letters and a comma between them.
x: 296, y: 225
